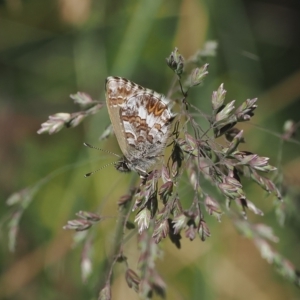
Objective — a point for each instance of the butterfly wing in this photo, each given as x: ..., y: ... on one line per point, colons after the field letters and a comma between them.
x: 117, y: 92
x: 141, y: 120
x: 147, y: 122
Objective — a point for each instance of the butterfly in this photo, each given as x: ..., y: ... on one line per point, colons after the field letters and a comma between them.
x: 142, y: 122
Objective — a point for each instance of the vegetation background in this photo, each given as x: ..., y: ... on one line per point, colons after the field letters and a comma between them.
x: 51, y: 49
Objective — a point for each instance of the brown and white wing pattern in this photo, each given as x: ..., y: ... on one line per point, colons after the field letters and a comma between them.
x: 141, y: 120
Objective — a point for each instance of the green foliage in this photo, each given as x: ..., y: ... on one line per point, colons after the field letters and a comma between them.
x: 50, y: 52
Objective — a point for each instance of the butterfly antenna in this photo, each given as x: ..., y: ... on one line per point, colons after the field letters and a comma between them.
x: 107, y: 151
x: 93, y: 172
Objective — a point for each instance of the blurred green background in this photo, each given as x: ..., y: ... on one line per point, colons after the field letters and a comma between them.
x: 51, y: 49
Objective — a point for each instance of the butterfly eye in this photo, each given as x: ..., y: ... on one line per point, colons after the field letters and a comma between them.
x: 122, y: 166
